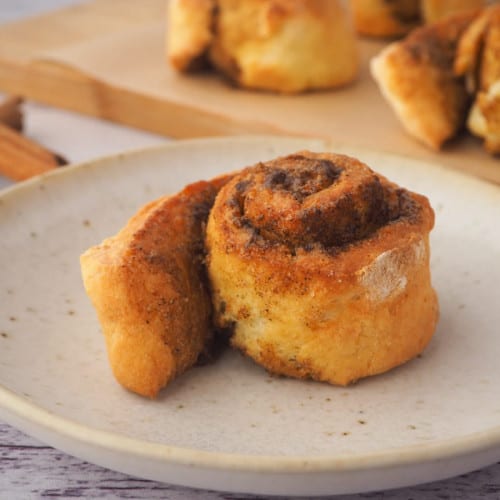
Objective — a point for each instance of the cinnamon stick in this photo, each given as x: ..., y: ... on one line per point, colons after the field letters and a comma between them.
x: 22, y: 158
x: 11, y: 113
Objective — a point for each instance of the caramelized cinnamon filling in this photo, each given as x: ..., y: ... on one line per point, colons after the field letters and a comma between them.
x: 301, y: 176
x: 303, y: 201
x: 437, y: 44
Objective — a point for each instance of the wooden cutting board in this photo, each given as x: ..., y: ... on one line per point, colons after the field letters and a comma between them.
x: 106, y: 58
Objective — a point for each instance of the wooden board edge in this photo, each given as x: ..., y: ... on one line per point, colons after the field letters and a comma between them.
x: 67, y: 88
x: 64, y: 87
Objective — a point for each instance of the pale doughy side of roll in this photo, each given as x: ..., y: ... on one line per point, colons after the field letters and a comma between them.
x: 484, y: 118
x: 190, y: 32
x: 396, y: 18
x: 334, y: 314
x: 286, y: 45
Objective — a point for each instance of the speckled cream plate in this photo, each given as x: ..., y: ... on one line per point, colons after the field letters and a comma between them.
x: 230, y: 426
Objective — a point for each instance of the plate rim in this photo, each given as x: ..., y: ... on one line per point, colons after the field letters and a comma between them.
x: 115, y: 442
x: 27, y: 411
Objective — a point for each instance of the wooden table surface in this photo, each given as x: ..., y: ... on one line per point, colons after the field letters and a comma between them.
x: 31, y: 470
x: 28, y: 468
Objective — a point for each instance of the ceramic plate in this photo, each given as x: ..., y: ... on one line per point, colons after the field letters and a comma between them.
x: 230, y: 426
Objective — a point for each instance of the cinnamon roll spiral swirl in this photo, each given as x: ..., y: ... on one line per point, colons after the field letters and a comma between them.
x: 320, y: 267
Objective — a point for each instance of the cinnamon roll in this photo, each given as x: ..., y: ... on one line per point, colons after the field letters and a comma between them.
x: 433, y: 10
x: 150, y: 292
x: 477, y: 60
x: 190, y: 32
x: 386, y: 18
x: 395, y: 18
x: 319, y: 268
x: 417, y: 77
x: 286, y: 46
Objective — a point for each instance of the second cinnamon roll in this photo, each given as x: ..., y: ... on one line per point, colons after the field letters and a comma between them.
x: 319, y: 267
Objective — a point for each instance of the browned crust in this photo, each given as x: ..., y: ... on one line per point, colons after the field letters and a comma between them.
x: 303, y: 308
x: 489, y: 106
x: 396, y: 18
x: 434, y: 10
x: 436, y: 44
x: 382, y: 18
x: 268, y: 44
x: 478, y: 60
x: 417, y: 77
x: 148, y: 287
x: 489, y: 71
x: 239, y: 235
x: 477, y: 51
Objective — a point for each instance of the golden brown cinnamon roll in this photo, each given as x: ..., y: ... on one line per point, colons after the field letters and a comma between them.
x: 278, y: 45
x: 433, y: 10
x: 385, y: 18
x: 395, y: 18
x: 148, y: 286
x: 477, y: 59
x: 416, y: 75
x: 320, y: 267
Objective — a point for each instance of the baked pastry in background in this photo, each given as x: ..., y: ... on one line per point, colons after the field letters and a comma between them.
x: 320, y: 268
x: 434, y: 10
x: 395, y: 18
x: 284, y: 46
x: 189, y: 32
x: 417, y: 77
x: 149, y: 289
x: 384, y: 18
x: 478, y: 61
